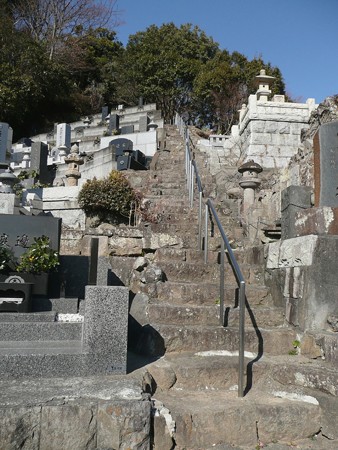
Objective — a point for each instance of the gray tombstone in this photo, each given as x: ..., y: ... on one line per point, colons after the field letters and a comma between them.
x: 143, y: 123
x: 104, y: 113
x: 114, y: 123
x: 39, y: 157
x: 326, y: 165
x: 119, y: 146
x: 18, y: 232
x: 4, y: 138
x: 127, y: 129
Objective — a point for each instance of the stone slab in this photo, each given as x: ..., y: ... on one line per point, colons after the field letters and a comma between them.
x: 321, y: 221
x: 295, y: 252
x: 9, y: 203
x: 18, y: 232
x: 106, y: 326
x: 328, y: 164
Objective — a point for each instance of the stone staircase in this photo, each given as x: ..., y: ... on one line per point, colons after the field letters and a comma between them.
x: 194, y: 382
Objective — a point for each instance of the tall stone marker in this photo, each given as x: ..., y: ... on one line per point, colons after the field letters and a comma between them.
x: 63, y: 135
x: 326, y: 165
x: 5, y: 139
x: 39, y: 156
x: 114, y: 123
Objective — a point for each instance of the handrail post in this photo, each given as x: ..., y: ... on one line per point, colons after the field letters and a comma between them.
x: 192, y: 186
x: 206, y: 235
x: 200, y: 221
x: 221, y: 287
x: 241, y: 339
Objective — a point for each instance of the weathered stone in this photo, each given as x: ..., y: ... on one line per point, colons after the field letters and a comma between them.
x: 319, y: 221
x: 123, y: 425
x: 20, y: 428
x: 140, y: 264
x: 293, y: 252
x: 309, y: 347
x: 152, y: 274
x: 158, y: 240
x: 139, y: 308
x: 332, y: 320
x: 121, y: 246
x: 70, y: 427
x: 162, y: 438
x: 163, y: 374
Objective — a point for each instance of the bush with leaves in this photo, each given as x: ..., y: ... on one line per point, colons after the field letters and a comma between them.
x: 40, y: 257
x: 7, y: 259
x: 110, y: 199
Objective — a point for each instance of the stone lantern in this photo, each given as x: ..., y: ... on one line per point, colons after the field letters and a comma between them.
x: 73, y: 160
x: 263, y: 82
x: 250, y: 182
x: 7, y: 181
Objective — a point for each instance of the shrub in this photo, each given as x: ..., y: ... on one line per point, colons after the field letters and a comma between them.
x: 7, y: 260
x: 40, y: 257
x: 109, y: 199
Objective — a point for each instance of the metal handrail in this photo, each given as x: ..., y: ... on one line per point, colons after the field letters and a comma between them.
x: 192, y: 176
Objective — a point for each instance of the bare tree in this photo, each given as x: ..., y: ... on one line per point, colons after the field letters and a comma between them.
x: 51, y: 21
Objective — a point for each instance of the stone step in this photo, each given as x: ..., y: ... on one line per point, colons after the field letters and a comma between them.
x: 35, y: 359
x: 212, y: 419
x: 186, y: 271
x: 193, y: 293
x: 40, y: 331
x: 189, y: 255
x: 210, y: 315
x: 218, y: 370
x: 47, y: 316
x: 156, y: 339
x: 183, y: 315
x: 181, y: 201
x: 61, y: 305
x: 260, y: 316
x: 39, y: 347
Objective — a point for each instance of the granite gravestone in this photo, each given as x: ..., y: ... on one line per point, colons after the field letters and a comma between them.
x: 143, y: 124
x: 39, y: 156
x: 119, y: 146
x: 18, y: 232
x: 114, y: 123
x: 104, y: 113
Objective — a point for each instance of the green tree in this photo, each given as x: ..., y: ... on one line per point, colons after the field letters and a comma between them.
x: 91, y: 61
x: 223, y: 85
x: 161, y: 64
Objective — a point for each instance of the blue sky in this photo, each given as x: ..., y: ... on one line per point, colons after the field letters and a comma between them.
x: 298, y: 36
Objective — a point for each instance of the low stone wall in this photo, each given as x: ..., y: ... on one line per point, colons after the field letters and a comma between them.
x: 74, y: 414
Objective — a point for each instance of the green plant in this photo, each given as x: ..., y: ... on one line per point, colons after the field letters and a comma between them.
x: 40, y: 257
x: 109, y: 199
x: 7, y: 259
x: 296, y: 347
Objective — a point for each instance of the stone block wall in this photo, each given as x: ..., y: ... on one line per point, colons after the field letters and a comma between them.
x: 271, y: 131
